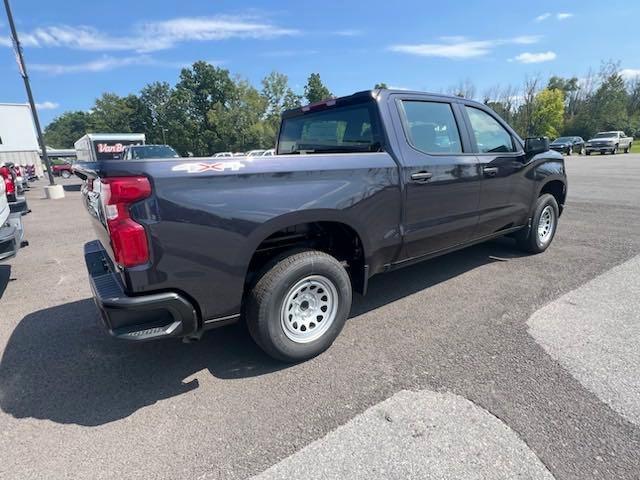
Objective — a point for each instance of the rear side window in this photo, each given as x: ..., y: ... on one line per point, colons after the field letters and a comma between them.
x: 491, y: 137
x: 343, y: 129
x: 431, y: 127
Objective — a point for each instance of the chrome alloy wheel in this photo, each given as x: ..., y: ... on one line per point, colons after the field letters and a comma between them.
x: 546, y: 224
x: 309, y: 309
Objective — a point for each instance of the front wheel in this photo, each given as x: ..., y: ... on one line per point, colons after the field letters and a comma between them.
x: 543, y: 226
x: 66, y: 174
x: 299, y: 305
x: 569, y: 151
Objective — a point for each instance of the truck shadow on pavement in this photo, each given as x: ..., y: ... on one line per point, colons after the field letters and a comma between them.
x: 60, y: 365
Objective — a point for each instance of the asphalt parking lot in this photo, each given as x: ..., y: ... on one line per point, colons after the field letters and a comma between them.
x: 470, y: 362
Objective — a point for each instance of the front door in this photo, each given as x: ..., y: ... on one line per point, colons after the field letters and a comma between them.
x: 441, y: 176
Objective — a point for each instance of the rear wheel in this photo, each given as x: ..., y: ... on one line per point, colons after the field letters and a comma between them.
x: 543, y: 226
x: 570, y: 151
x: 299, y: 305
x: 626, y: 150
x: 66, y: 174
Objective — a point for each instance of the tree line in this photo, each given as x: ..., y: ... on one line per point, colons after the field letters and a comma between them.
x: 600, y: 101
x: 208, y: 110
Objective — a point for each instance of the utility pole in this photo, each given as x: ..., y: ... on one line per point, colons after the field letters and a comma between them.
x: 54, y: 191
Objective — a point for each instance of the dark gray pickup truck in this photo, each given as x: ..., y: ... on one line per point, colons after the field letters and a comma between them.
x: 360, y: 185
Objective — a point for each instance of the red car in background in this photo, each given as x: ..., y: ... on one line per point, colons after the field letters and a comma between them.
x: 64, y: 170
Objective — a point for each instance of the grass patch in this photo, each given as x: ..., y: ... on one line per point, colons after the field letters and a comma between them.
x: 635, y: 148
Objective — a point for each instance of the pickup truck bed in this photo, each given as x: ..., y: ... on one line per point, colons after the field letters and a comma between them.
x: 197, y: 240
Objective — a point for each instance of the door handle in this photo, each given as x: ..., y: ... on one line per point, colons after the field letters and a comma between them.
x: 490, y: 171
x: 421, y: 177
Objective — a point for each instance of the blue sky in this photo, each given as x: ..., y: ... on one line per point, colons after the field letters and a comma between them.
x: 78, y: 51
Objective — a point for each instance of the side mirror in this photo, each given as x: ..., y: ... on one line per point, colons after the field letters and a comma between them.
x: 535, y: 145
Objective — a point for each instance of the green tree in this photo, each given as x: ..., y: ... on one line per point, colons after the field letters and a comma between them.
x: 315, y: 90
x: 548, y: 112
x: 155, y: 98
x: 380, y: 85
x: 64, y: 130
x: 279, y: 97
x: 240, y: 123
x: 112, y: 114
x: 200, y: 89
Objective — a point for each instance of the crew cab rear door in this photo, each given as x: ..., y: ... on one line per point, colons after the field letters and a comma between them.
x: 505, y: 197
x: 440, y: 174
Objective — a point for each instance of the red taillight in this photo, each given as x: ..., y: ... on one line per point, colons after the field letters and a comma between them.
x: 128, y: 238
x: 10, y: 187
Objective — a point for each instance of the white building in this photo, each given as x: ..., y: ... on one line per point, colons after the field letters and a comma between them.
x: 18, y: 140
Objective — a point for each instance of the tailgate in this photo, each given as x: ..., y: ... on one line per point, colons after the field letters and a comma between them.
x: 90, y: 190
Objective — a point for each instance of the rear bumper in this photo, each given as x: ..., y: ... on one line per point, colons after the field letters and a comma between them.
x: 18, y: 204
x: 11, y: 235
x: 135, y: 318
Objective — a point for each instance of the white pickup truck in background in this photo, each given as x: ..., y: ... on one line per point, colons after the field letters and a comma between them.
x: 608, y: 142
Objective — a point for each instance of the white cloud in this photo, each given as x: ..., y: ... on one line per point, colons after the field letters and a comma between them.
x: 535, y: 57
x: 466, y: 49
x: 559, y: 16
x: 457, y: 47
x: 526, y: 39
x: 630, y: 73
x: 105, y: 63
x: 152, y: 36
x: 47, y: 105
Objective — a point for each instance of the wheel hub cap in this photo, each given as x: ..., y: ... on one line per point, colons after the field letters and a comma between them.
x: 309, y: 309
x: 546, y: 224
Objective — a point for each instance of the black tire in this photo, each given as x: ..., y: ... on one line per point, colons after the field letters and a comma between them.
x: 587, y: 152
x: 569, y: 151
x: 626, y: 150
x: 66, y: 174
x: 615, y: 150
x: 264, y: 303
x: 528, y: 239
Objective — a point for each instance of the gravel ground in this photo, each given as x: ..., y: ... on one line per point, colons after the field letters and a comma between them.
x: 76, y: 404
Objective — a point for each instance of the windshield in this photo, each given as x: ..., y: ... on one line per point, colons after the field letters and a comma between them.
x: 153, y: 151
x: 563, y: 139
x: 343, y: 129
x: 605, y: 135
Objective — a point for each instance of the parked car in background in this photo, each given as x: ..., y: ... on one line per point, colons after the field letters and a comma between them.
x: 361, y: 185
x: 14, y: 191
x: 609, y: 142
x: 568, y: 145
x: 223, y: 155
x: 62, y: 169
x: 11, y: 230
x: 239, y: 154
x: 269, y: 153
x: 141, y: 152
x: 254, y: 153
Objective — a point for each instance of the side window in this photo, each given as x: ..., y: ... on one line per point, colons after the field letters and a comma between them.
x: 431, y: 127
x: 491, y: 137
